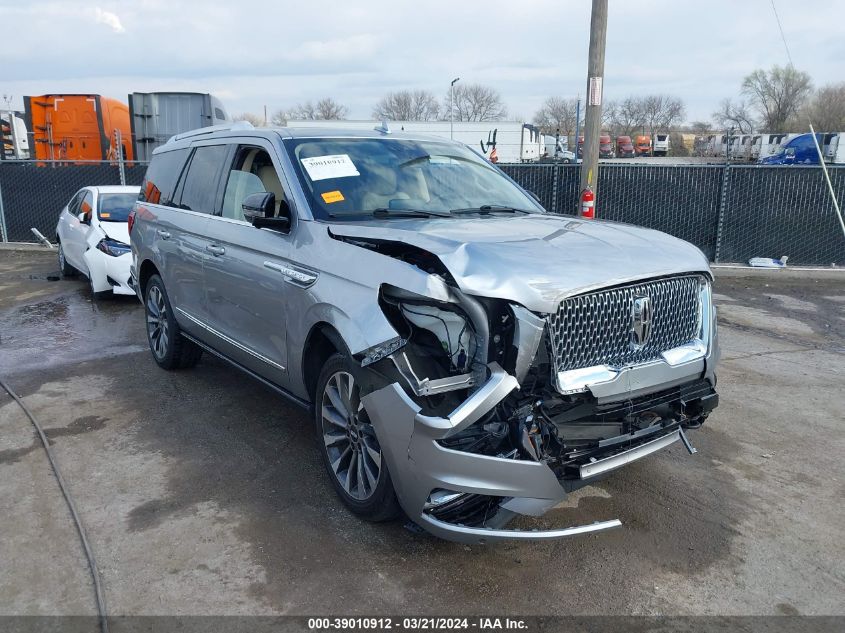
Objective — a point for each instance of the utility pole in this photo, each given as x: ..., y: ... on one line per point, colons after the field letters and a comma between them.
x: 577, y: 126
x: 595, y: 79
x: 451, y: 93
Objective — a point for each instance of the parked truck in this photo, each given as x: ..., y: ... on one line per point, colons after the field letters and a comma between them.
x: 661, y: 144
x: 606, y: 147
x: 624, y: 147
x: 78, y: 127
x: 801, y: 150
x: 14, y: 140
x: 515, y: 141
x: 156, y: 116
x: 642, y: 145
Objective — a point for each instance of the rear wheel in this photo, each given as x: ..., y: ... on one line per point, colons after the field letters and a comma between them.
x: 170, y: 349
x: 64, y: 266
x: 348, y: 444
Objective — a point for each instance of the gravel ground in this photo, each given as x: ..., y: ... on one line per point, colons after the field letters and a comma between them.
x: 203, y: 494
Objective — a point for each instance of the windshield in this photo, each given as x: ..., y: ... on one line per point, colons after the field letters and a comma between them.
x: 115, y: 207
x: 348, y: 178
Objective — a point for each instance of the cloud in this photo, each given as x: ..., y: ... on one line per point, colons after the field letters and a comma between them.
x: 109, y: 19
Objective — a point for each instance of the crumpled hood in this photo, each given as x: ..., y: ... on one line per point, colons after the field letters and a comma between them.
x: 537, y: 260
x: 116, y: 230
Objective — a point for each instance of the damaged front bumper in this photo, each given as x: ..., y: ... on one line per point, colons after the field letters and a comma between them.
x: 420, y: 465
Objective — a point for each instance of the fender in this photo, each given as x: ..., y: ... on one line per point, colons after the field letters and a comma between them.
x: 96, y: 269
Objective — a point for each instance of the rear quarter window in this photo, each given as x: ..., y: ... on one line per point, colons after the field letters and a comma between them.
x: 162, y: 175
x: 202, y: 180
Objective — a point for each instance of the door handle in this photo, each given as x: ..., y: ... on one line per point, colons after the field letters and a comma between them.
x: 215, y: 250
x: 163, y: 234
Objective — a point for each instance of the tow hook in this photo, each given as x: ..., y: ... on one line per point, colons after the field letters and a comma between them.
x: 690, y: 448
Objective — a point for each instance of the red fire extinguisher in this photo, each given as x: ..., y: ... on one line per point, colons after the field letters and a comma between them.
x: 588, y: 202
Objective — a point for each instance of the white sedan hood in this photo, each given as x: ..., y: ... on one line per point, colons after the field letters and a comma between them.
x: 116, y: 230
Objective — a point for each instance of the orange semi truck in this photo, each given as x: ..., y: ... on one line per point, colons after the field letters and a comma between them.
x: 78, y: 127
x: 642, y: 145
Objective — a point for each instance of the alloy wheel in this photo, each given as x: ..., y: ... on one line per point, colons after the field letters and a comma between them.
x: 353, y: 450
x: 157, y: 328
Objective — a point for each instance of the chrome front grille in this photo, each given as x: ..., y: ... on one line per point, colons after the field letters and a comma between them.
x: 595, y: 328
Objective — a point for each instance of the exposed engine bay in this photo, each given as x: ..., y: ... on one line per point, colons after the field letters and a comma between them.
x: 444, y: 352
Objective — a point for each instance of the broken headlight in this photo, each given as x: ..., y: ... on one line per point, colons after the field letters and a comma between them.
x: 113, y: 247
x: 382, y: 350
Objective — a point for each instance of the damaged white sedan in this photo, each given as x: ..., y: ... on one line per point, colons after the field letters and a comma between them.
x: 93, y: 238
x: 468, y: 357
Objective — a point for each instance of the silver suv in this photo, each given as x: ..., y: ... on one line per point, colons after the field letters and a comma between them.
x: 467, y: 356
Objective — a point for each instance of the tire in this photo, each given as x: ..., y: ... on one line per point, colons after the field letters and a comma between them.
x: 346, y: 439
x: 170, y: 349
x: 94, y: 294
x: 66, y: 269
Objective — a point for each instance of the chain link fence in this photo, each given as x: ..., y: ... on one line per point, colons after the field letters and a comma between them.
x: 731, y: 212
x: 33, y: 193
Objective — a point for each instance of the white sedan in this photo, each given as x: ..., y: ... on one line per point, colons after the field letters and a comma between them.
x: 93, y: 237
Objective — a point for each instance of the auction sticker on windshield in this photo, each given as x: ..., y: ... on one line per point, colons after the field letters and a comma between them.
x: 324, y: 167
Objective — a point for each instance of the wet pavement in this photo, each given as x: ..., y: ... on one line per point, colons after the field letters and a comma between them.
x: 203, y: 493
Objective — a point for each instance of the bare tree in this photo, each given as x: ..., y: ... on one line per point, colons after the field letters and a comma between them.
x: 255, y: 119
x: 474, y: 102
x: 557, y: 113
x: 679, y: 144
x: 325, y: 109
x: 777, y: 94
x: 734, y: 115
x: 662, y: 112
x: 609, y: 115
x: 329, y: 109
x: 628, y: 116
x: 407, y: 105
x: 700, y: 128
x: 826, y: 109
x: 279, y: 117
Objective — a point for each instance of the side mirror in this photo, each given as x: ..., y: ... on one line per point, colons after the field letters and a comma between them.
x: 790, y: 151
x: 83, y: 217
x: 259, y: 208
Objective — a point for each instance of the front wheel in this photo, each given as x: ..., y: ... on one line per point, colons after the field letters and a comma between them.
x: 348, y: 444
x: 170, y: 349
x: 66, y: 269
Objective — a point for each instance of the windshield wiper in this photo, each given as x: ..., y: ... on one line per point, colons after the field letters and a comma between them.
x: 489, y: 208
x: 409, y: 213
x: 416, y: 159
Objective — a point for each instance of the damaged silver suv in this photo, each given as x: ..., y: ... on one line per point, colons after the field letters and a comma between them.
x: 467, y: 356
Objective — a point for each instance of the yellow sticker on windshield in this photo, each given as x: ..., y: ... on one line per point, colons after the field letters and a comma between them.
x: 332, y: 196
x: 105, y: 215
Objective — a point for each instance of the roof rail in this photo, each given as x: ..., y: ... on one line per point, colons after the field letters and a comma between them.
x: 225, y: 127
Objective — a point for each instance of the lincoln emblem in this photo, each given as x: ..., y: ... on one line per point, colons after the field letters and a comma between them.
x: 641, y: 315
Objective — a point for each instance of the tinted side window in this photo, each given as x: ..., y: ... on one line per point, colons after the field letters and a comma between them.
x: 161, y: 177
x: 199, y: 192
x: 87, y: 205
x: 73, y: 205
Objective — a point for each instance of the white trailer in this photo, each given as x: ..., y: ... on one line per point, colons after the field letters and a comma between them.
x: 718, y: 146
x: 14, y: 139
x: 834, y: 148
x: 765, y: 144
x: 515, y: 141
x: 661, y: 145
x: 741, y: 148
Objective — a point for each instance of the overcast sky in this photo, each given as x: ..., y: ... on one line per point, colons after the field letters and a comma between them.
x: 252, y: 53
